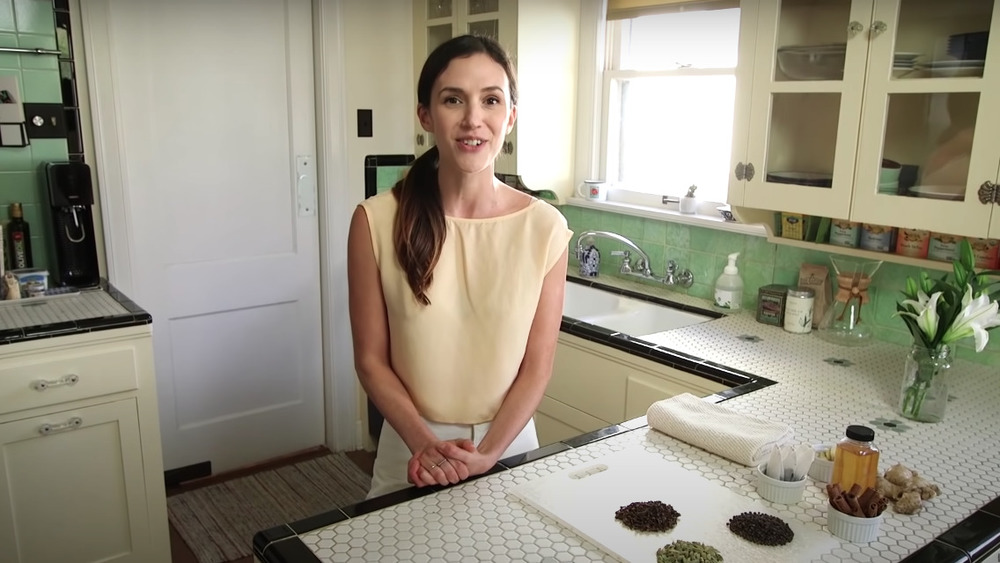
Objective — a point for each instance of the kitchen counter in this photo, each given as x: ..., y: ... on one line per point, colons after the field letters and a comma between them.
x: 818, y: 388
x: 87, y: 310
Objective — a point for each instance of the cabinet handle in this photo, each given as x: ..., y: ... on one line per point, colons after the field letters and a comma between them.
x: 749, y: 172
x: 508, y: 148
x: 42, y: 385
x: 420, y: 140
x: 878, y: 27
x: 854, y: 28
x: 989, y: 193
x: 740, y: 168
x: 71, y: 424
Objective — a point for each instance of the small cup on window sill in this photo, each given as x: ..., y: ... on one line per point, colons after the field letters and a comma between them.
x: 689, y: 205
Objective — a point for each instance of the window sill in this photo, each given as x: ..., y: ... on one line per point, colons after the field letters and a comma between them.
x: 699, y: 219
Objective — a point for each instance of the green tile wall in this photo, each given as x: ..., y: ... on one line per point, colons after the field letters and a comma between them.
x: 704, y: 252
x: 30, y: 24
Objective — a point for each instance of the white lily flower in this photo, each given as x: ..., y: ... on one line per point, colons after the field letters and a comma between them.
x: 976, y: 317
x: 925, y: 311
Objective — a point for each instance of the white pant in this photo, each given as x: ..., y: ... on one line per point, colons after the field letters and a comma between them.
x: 389, y: 472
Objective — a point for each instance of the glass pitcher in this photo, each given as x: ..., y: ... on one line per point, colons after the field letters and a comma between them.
x: 844, y: 321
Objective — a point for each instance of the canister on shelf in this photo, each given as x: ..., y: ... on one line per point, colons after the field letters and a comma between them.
x: 845, y: 233
x: 771, y: 304
x: 985, y: 252
x: 912, y: 243
x: 877, y: 237
x: 942, y: 247
x: 799, y: 310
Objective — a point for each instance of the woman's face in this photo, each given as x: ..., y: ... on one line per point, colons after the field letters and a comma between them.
x: 469, y: 113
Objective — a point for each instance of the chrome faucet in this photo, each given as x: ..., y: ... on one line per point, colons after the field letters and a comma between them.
x: 641, y: 268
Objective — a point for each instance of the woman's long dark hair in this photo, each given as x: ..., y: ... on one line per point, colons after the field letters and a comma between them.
x: 419, y: 228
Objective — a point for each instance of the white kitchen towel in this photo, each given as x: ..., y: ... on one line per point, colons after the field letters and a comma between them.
x: 718, y: 429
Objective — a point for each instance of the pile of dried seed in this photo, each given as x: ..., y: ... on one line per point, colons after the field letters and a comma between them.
x: 649, y: 516
x: 682, y: 551
x: 761, y: 528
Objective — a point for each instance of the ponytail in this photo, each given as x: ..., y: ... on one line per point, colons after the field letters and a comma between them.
x: 419, y: 228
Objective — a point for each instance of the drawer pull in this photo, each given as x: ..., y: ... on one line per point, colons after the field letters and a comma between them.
x: 42, y: 385
x: 71, y: 424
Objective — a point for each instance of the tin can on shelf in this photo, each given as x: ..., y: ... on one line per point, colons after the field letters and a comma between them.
x: 943, y: 247
x: 985, y: 252
x: 913, y: 243
x: 771, y: 304
x: 845, y: 233
x: 877, y: 237
x: 799, y: 310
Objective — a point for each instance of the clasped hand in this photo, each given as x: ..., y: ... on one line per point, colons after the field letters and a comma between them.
x: 446, y: 463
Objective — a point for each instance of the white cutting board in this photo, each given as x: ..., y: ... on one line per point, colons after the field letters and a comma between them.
x: 586, y: 497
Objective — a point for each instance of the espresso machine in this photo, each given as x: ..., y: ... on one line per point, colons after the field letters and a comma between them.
x: 71, y: 197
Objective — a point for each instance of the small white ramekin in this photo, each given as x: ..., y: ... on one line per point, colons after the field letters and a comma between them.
x: 821, y: 469
x: 852, y: 528
x: 782, y: 492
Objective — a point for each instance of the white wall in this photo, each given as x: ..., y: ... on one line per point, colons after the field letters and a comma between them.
x: 364, y: 60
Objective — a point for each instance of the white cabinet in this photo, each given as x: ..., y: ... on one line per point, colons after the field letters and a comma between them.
x: 838, y: 90
x: 594, y: 386
x: 81, y: 472
x: 543, y: 38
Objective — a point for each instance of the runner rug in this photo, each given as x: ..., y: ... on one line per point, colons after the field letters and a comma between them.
x: 218, y: 522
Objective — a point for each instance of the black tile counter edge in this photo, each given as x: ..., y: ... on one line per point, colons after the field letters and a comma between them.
x: 287, y: 550
x: 741, y: 382
x: 937, y: 552
x: 135, y: 316
x: 977, y: 535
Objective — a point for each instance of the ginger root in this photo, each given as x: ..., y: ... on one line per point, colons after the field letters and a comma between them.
x: 909, y: 503
x: 899, y: 474
x: 906, y: 488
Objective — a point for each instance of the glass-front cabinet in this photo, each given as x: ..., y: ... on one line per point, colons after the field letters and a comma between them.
x: 876, y: 111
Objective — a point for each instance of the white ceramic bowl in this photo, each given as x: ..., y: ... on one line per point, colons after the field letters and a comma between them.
x: 804, y: 63
x: 781, y: 492
x: 821, y: 469
x: 852, y: 528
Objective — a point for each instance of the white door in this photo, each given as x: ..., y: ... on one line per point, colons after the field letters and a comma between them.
x: 205, y: 139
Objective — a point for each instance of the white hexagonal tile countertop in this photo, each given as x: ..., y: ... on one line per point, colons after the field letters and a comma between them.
x: 820, y: 389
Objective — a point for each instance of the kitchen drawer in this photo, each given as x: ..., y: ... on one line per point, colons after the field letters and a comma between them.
x: 555, y: 421
x: 53, y: 377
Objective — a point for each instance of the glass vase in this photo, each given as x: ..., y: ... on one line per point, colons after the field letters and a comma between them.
x: 924, y: 393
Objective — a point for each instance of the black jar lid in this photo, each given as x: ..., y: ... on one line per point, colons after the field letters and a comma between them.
x: 860, y: 433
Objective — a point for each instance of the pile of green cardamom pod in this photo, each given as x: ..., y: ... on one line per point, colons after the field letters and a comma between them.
x: 682, y: 551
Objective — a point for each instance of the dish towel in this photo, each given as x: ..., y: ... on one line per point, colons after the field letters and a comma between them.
x: 737, y: 437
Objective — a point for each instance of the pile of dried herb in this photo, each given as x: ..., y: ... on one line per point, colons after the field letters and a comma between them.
x: 688, y: 552
x: 649, y: 516
x: 761, y: 528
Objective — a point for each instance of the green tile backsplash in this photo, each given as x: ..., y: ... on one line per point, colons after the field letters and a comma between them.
x: 704, y: 252
x: 30, y: 24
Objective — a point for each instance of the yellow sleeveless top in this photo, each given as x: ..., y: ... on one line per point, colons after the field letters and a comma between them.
x: 459, y: 355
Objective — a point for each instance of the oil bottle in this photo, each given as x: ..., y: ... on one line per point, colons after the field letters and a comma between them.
x: 19, y: 236
x: 856, y: 459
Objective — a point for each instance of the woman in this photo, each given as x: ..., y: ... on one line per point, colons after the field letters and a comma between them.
x: 456, y: 285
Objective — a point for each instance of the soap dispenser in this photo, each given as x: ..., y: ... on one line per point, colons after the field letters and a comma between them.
x: 729, y: 287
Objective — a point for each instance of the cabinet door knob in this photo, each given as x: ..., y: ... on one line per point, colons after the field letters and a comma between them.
x: 854, y: 28
x: 420, y: 140
x: 740, y: 169
x: 989, y: 193
x: 71, y: 424
x: 42, y: 385
x: 749, y: 172
x: 878, y: 27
